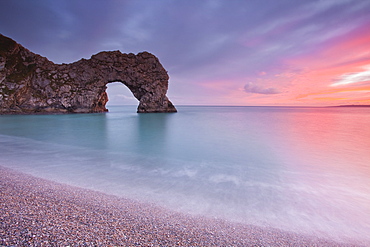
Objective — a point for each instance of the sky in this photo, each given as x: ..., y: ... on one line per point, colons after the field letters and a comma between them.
x: 216, y: 52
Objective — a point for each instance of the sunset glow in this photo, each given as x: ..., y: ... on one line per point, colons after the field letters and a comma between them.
x: 311, y: 53
x: 339, y: 73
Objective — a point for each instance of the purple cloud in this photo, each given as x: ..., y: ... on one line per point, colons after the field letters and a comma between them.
x: 252, y: 88
x: 196, y: 41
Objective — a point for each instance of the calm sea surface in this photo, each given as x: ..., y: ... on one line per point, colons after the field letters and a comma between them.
x: 300, y: 169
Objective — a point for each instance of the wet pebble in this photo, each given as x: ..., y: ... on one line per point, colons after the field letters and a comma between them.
x: 38, y: 212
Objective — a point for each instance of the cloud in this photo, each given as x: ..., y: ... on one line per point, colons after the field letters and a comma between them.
x: 350, y: 78
x: 252, y: 88
x: 204, y: 41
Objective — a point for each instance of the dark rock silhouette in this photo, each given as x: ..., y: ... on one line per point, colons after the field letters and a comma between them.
x: 30, y: 83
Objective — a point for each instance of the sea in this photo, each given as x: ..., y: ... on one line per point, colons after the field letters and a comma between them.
x: 298, y: 169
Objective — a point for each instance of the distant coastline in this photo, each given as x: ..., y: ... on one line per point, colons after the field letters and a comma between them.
x: 352, y: 106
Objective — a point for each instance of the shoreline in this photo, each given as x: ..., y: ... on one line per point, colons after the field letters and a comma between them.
x: 39, y: 212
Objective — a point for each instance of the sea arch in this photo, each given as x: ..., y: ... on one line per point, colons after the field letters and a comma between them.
x: 142, y: 74
x: 30, y: 83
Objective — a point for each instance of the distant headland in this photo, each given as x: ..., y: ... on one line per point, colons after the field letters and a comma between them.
x: 352, y: 106
x: 31, y: 84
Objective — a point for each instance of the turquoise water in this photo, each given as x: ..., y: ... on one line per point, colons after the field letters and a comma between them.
x: 299, y: 169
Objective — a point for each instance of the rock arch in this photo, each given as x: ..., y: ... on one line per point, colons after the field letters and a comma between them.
x: 30, y: 83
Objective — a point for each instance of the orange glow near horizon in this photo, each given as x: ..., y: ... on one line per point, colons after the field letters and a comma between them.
x: 336, y: 74
x: 347, y: 60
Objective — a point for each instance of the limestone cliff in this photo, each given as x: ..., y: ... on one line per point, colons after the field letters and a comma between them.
x: 30, y: 83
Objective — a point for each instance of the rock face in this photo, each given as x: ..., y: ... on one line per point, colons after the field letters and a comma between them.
x: 30, y: 83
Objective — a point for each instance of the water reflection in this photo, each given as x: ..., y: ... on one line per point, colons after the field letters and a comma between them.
x: 298, y: 169
x: 82, y: 130
x: 327, y: 139
x: 326, y: 154
x: 152, y: 133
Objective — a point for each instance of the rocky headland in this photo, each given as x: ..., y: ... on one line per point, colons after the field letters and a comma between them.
x: 31, y: 84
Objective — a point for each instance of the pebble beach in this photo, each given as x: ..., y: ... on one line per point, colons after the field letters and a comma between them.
x: 39, y: 212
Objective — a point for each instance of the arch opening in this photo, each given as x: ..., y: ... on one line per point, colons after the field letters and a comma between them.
x: 119, y: 94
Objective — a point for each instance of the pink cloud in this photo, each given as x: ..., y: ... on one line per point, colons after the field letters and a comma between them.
x: 343, y: 63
